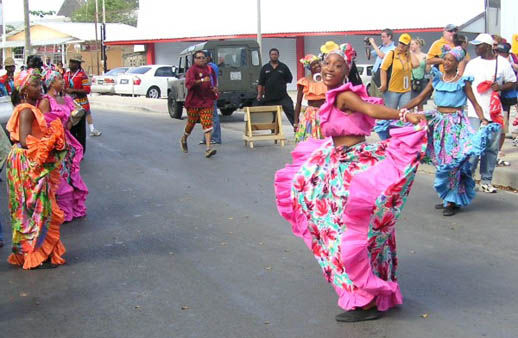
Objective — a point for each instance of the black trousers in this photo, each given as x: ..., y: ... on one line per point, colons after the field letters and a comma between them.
x: 286, y: 103
x: 79, y: 132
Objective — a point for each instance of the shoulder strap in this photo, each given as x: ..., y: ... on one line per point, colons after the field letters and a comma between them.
x: 496, y: 68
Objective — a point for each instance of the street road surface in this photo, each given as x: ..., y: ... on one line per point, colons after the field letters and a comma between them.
x: 177, y: 245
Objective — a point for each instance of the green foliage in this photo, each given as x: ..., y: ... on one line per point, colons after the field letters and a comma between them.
x: 117, y: 11
x: 41, y: 14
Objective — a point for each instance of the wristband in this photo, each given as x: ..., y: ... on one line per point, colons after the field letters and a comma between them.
x: 402, y: 114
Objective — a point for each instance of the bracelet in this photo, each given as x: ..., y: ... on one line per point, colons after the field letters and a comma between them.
x: 402, y: 114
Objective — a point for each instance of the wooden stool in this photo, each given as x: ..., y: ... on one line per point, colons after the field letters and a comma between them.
x: 260, y: 118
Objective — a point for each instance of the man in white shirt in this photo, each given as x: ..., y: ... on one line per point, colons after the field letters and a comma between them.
x: 487, y: 67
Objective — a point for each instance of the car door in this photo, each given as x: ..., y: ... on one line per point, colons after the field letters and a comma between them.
x: 162, y: 75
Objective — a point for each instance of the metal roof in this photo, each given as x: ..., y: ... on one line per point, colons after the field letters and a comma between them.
x: 86, y: 30
x: 58, y: 41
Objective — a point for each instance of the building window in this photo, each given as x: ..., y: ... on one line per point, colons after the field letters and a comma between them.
x: 18, y: 52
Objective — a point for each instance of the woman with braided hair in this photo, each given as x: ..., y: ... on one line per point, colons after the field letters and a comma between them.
x: 33, y: 167
x: 451, y: 139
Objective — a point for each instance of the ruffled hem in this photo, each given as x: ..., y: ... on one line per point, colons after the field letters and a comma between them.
x: 360, y: 90
x: 405, y: 148
x: 52, y: 247
x: 283, y: 182
x: 479, y: 144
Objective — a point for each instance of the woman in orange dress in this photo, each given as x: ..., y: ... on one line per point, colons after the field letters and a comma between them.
x: 33, y: 166
x: 307, y: 124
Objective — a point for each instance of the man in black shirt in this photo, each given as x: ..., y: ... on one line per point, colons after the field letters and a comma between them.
x: 271, y: 90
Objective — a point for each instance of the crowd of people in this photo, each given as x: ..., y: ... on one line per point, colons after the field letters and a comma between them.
x: 343, y: 195
x: 43, y: 157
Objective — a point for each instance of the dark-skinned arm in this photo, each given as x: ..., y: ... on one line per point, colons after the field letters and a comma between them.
x: 25, y: 120
x: 349, y: 101
x: 471, y: 97
x: 44, y: 106
x: 298, y: 105
x: 416, y: 101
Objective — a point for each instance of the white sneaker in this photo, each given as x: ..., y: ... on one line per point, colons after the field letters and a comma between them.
x: 96, y: 132
x: 485, y: 187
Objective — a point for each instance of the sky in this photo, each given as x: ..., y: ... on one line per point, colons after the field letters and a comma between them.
x: 13, y: 9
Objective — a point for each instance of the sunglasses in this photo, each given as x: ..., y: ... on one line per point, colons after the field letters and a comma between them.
x: 199, y: 57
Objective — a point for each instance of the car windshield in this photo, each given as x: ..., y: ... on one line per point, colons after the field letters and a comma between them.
x: 117, y: 71
x: 139, y: 70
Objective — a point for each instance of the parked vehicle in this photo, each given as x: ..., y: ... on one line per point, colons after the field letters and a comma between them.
x: 6, y: 109
x: 150, y: 80
x: 239, y: 63
x: 365, y: 72
x: 105, y: 84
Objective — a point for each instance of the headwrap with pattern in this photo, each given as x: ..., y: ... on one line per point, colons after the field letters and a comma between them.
x: 49, y: 76
x: 308, y: 60
x: 457, y: 52
x: 23, y: 78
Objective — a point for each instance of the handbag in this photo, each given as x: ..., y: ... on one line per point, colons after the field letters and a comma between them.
x: 417, y: 85
x: 77, y: 114
x: 377, y: 76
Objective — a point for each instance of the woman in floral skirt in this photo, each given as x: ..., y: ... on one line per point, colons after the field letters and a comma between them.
x: 343, y: 196
x: 72, y: 192
x: 33, y: 177
x: 314, y: 91
x: 451, y: 139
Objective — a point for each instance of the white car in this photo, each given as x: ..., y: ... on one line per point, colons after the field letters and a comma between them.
x: 105, y: 84
x: 150, y: 80
x: 365, y: 72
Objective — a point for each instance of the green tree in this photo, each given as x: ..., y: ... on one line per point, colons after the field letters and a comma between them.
x: 117, y: 11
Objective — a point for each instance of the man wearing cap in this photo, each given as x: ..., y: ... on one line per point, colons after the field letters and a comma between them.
x: 386, y: 46
x: 77, y: 84
x: 7, y: 80
x: 487, y: 67
x: 435, y: 52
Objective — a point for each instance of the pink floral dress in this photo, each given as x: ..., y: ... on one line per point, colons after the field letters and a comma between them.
x: 72, y: 191
x: 344, y: 202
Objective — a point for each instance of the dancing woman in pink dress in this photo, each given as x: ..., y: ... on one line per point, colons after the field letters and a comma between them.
x: 72, y: 191
x: 343, y: 196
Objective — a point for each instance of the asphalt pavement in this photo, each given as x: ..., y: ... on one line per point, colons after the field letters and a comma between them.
x: 177, y: 245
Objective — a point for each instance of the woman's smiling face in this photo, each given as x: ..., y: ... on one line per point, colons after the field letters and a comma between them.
x: 334, y: 70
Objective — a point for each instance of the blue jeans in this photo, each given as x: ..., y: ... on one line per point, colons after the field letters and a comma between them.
x: 489, y: 158
x: 396, y: 100
x: 216, y: 127
x: 216, y: 132
x: 1, y: 232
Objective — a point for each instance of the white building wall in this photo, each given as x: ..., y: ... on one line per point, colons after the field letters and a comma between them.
x: 509, y: 25
x: 167, y: 53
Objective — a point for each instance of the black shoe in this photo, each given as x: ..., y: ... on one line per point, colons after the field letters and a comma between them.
x: 358, y: 315
x: 439, y: 206
x: 210, y: 152
x: 450, y: 210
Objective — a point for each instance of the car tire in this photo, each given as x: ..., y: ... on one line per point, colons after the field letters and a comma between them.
x: 153, y: 92
x: 227, y: 111
x: 175, y: 108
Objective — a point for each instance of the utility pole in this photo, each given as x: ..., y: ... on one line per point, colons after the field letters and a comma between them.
x: 96, y: 37
x: 103, y: 39
x: 3, y: 30
x: 28, y: 48
x: 259, y: 35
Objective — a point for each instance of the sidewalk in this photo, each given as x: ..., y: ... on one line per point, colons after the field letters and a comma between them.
x: 503, y: 176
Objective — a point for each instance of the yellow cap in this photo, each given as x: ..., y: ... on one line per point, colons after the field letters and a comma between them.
x: 9, y: 61
x: 405, y: 38
x: 329, y: 46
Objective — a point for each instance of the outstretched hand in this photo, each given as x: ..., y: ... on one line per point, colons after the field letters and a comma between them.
x: 415, y: 118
